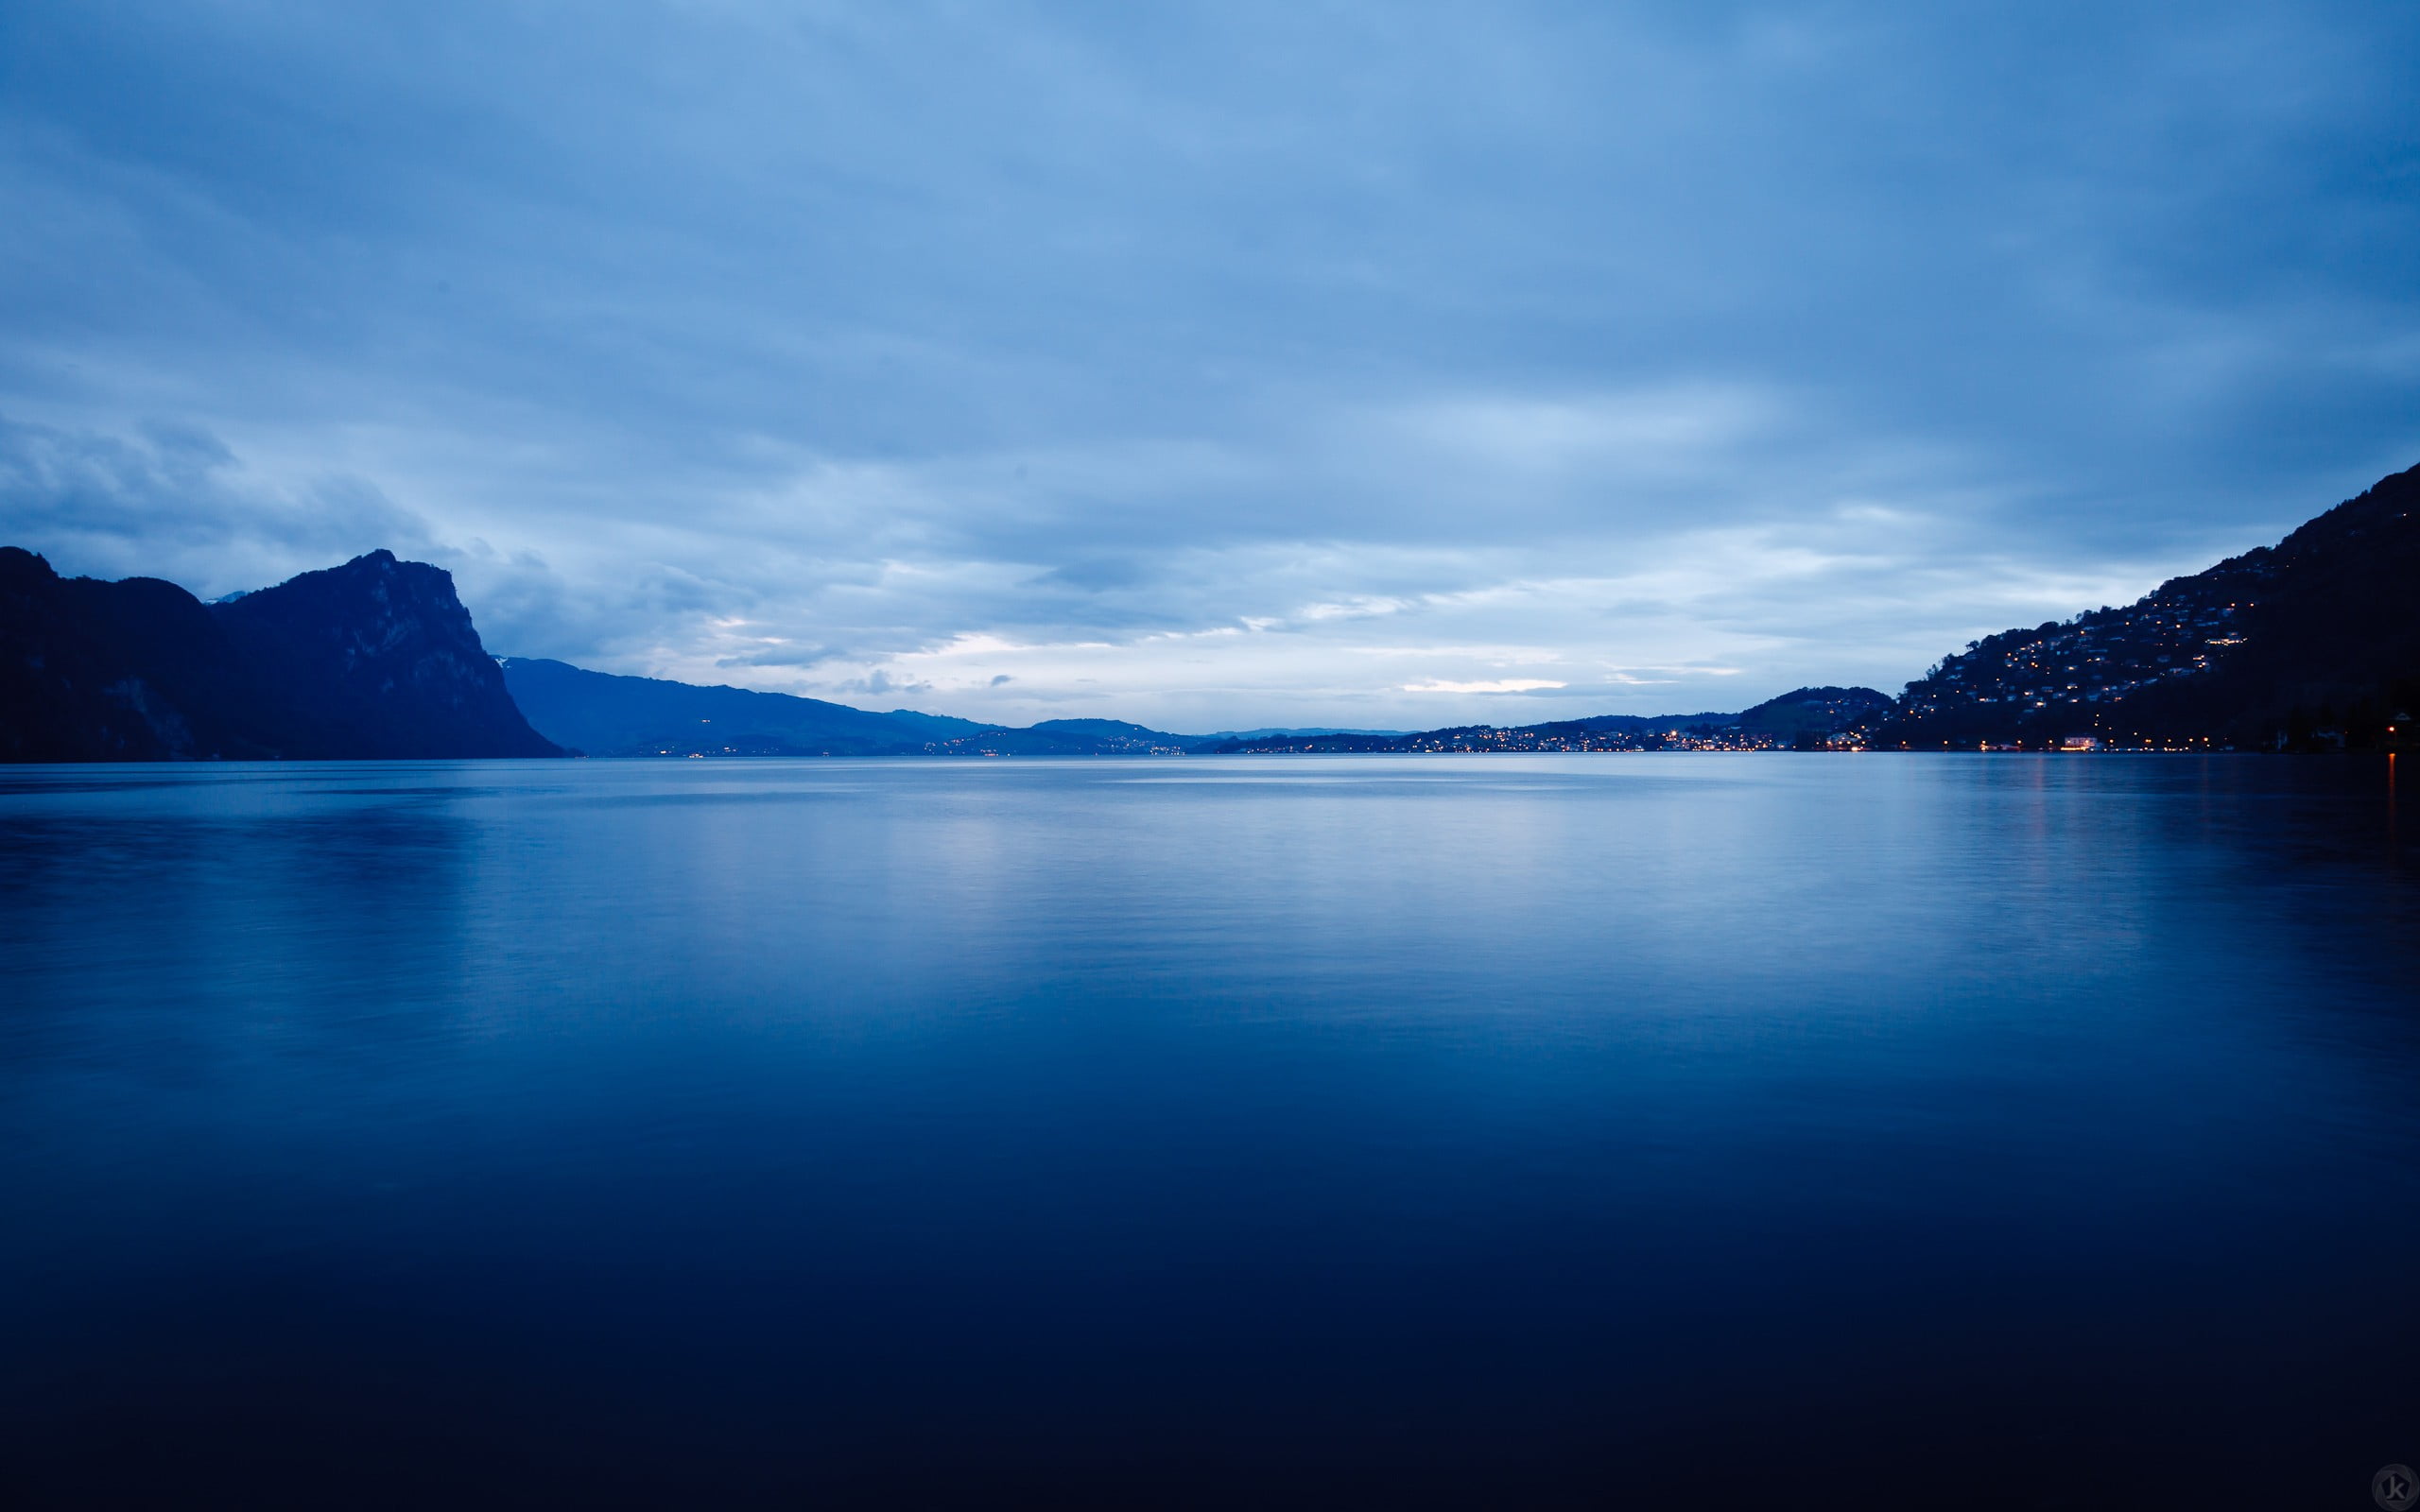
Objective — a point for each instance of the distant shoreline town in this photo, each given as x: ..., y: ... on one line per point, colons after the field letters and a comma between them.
x: 2313, y: 644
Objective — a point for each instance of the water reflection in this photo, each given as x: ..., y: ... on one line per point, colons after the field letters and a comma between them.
x: 1535, y: 1126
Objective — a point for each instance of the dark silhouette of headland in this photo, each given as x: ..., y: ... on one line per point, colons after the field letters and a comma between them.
x: 373, y: 659
x: 2311, y: 643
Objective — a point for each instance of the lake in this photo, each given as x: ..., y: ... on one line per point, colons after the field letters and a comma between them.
x: 1642, y: 1129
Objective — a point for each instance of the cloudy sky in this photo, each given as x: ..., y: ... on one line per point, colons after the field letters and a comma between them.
x: 1376, y: 364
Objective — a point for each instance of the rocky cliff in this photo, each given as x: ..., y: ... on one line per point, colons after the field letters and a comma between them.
x: 375, y: 660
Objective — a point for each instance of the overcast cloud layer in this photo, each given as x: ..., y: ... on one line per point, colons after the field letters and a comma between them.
x: 1376, y: 364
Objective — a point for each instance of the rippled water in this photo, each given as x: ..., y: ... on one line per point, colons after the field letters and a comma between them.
x: 1676, y: 1130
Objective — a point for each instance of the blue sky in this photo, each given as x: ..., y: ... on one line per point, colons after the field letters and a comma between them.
x: 1369, y: 364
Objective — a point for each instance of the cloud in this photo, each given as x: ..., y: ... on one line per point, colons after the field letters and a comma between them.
x: 1203, y: 365
x: 1497, y: 685
x: 171, y: 500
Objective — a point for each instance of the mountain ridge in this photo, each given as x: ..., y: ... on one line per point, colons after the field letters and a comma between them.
x: 372, y: 659
x: 2312, y: 641
x: 606, y: 714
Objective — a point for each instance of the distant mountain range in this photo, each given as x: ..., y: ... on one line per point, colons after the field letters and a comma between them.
x: 602, y: 714
x: 1279, y: 731
x: 372, y: 659
x: 2312, y: 644
x: 1808, y: 718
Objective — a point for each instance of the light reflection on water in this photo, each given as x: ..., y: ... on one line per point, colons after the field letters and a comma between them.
x: 1534, y: 1127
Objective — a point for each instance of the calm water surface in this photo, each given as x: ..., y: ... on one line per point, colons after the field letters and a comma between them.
x: 1655, y: 1131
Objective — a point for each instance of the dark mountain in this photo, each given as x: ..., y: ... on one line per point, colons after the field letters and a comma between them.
x: 1071, y: 737
x: 938, y: 726
x: 1641, y: 724
x: 373, y: 659
x: 607, y: 715
x: 1807, y: 718
x: 1277, y: 731
x: 2313, y: 641
x: 1102, y: 729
